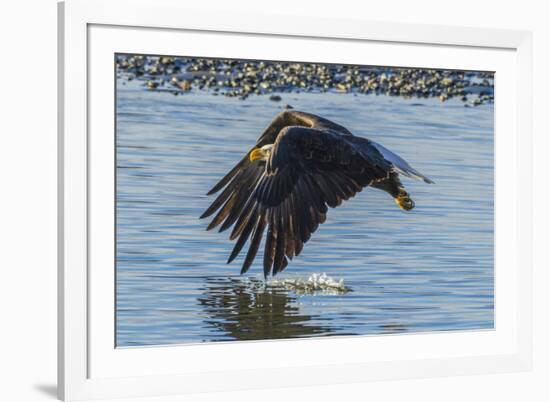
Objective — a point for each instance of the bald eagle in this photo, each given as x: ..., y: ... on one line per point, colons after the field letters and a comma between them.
x: 300, y: 165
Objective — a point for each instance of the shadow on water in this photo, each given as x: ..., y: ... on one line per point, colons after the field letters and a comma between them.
x: 248, y: 310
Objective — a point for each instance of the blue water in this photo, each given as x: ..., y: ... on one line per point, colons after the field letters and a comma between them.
x: 430, y: 269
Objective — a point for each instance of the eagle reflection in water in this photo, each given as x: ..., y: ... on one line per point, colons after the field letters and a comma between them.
x: 247, y: 310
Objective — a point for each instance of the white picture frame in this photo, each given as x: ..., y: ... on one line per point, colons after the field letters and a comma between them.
x: 89, y: 365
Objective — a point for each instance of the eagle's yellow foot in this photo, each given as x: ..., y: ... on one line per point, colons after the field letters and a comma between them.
x: 404, y: 201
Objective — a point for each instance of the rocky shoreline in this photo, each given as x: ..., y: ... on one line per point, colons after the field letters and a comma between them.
x: 240, y: 79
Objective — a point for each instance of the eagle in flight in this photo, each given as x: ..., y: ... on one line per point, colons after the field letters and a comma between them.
x: 301, y: 165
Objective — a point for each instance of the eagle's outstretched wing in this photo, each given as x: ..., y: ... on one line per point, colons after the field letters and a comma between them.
x: 312, y: 165
x: 282, y: 120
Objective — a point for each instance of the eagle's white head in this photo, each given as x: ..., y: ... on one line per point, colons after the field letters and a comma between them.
x: 262, y: 153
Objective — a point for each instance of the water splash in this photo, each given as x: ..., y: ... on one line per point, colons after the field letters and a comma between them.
x: 315, y: 284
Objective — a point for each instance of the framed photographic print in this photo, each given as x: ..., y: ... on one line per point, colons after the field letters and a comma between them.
x: 243, y: 201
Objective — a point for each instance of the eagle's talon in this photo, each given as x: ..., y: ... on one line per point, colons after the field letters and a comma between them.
x: 404, y: 201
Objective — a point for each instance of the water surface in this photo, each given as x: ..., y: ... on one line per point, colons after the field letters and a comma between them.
x: 430, y: 269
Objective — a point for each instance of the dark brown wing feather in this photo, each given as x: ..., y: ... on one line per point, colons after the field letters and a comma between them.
x: 314, y: 163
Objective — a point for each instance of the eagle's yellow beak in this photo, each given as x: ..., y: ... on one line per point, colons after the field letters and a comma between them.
x: 257, y: 154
